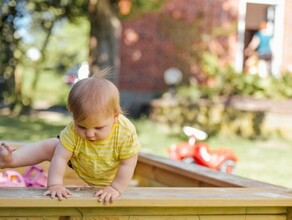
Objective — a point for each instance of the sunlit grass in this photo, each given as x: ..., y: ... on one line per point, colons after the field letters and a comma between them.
x: 264, y: 160
x: 25, y: 128
x: 268, y: 161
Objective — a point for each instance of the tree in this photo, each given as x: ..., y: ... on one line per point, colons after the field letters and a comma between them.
x: 104, y: 36
x: 44, y: 15
x: 104, y: 17
x: 10, y: 13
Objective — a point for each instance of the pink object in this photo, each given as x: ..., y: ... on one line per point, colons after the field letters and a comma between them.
x: 35, y: 177
x: 11, y: 178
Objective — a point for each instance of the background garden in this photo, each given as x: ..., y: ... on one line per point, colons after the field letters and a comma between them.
x: 264, y: 158
x: 33, y: 90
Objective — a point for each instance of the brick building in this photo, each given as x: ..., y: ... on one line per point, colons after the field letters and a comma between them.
x: 177, y: 35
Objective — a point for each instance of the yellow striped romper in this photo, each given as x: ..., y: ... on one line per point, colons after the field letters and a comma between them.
x: 97, y: 162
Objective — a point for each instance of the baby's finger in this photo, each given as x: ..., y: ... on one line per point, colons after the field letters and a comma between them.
x: 98, y: 193
x: 48, y: 192
x: 7, y: 147
x: 113, y: 197
x: 53, y: 194
x: 65, y: 194
x: 61, y: 195
x: 68, y: 192
x: 108, y: 199
x: 102, y: 196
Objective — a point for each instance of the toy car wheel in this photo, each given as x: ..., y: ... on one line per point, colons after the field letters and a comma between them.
x: 189, y: 160
x: 228, y: 166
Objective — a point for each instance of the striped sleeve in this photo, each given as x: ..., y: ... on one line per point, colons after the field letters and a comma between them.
x: 68, y: 137
x: 130, y: 146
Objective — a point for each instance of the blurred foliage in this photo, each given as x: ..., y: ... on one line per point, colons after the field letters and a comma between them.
x: 140, y: 7
x: 54, y: 93
x: 206, y: 105
x: 10, y: 14
x: 26, y: 25
x: 225, y: 81
x: 68, y: 45
x: 214, y: 117
x: 59, y: 31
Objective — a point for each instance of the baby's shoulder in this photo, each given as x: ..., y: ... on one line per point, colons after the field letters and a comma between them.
x: 125, y: 123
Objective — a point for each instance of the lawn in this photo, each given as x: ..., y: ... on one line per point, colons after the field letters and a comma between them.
x: 264, y: 160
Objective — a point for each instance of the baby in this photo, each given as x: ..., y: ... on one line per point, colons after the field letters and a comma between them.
x: 100, y: 144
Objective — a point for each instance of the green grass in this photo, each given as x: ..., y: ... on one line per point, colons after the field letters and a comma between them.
x: 268, y: 161
x: 28, y: 129
x: 264, y: 160
x: 51, y: 89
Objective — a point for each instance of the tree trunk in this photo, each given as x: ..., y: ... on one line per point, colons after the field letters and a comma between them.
x: 8, y: 61
x: 104, y: 38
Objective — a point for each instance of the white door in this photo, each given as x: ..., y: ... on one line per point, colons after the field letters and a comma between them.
x: 251, y: 12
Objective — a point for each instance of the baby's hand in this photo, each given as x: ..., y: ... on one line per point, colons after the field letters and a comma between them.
x: 107, y: 194
x: 58, y: 191
x: 5, y: 154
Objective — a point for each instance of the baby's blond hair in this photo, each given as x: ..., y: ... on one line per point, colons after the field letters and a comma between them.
x: 94, y: 97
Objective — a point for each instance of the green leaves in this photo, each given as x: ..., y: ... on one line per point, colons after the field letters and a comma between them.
x: 225, y: 81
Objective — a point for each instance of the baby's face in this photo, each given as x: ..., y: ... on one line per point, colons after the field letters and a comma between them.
x: 95, y: 129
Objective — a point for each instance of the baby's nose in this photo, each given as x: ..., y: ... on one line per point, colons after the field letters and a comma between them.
x: 90, y: 133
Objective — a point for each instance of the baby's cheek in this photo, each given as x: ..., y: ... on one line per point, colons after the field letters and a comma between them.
x: 102, y: 135
x: 80, y: 133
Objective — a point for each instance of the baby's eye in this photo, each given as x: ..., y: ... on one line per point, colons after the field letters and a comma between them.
x: 81, y: 127
x: 98, y: 128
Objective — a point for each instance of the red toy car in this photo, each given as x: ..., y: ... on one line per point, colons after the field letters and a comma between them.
x: 221, y: 159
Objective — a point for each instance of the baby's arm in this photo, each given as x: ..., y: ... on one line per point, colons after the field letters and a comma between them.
x: 120, y: 182
x: 56, y: 173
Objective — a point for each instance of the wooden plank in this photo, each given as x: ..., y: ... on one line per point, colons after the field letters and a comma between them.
x: 165, y: 177
x: 133, y: 211
x: 197, y: 174
x: 244, y: 217
x: 36, y: 211
x: 25, y: 218
x: 160, y: 211
x: 94, y: 212
x: 146, y: 182
x: 109, y: 217
x: 152, y: 196
x: 242, y: 199
x: 289, y: 213
x: 153, y: 170
x: 167, y: 217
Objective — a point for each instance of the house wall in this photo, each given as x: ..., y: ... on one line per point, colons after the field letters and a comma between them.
x: 148, y: 50
x: 287, y: 55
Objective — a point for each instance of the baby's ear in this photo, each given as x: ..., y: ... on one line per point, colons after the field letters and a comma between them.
x: 116, y: 116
